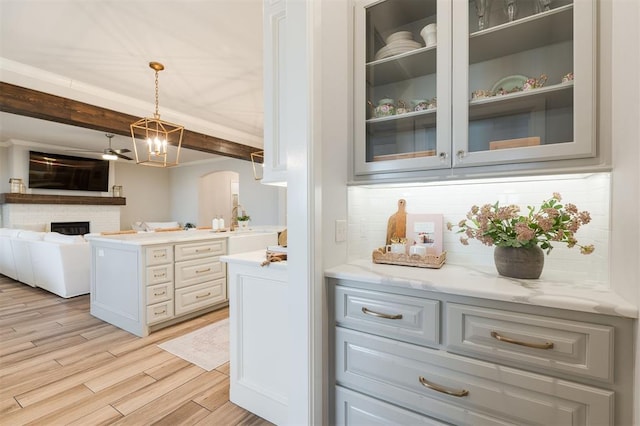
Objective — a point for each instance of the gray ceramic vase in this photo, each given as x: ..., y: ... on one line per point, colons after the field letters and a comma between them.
x: 519, y: 262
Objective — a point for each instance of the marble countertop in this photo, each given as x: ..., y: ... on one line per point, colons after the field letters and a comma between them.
x: 550, y: 291
x: 253, y: 258
x: 148, y: 238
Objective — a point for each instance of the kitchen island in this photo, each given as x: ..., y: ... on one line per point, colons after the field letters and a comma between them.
x: 146, y: 281
x: 259, y: 337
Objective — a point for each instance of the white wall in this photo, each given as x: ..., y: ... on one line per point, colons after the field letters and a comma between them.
x: 260, y: 201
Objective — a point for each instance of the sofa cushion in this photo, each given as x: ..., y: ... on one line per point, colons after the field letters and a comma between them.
x: 8, y: 232
x: 31, y: 235
x: 56, y: 237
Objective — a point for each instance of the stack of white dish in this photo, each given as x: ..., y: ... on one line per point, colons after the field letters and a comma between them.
x: 397, y: 43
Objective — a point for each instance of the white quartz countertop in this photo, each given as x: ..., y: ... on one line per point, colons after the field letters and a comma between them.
x: 253, y: 258
x: 549, y: 291
x: 148, y: 238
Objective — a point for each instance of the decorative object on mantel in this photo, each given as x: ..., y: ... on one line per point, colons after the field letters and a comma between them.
x: 116, y: 190
x: 157, y: 135
x: 17, y: 186
x: 519, y: 239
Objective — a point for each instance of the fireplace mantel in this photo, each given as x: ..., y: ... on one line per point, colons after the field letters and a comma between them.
x: 13, y: 198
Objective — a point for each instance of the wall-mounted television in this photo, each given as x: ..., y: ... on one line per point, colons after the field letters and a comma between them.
x: 56, y: 171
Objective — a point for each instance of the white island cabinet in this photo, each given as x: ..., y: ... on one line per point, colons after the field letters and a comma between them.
x: 147, y: 281
x: 464, y: 346
x: 259, y: 342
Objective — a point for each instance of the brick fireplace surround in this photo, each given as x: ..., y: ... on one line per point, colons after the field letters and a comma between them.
x: 36, y: 211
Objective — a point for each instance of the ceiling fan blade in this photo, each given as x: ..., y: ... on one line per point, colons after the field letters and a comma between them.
x: 124, y: 157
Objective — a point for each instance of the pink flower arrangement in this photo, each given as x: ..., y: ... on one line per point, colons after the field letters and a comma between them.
x: 505, y: 227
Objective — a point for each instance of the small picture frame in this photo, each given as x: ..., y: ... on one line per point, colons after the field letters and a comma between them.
x: 426, y: 230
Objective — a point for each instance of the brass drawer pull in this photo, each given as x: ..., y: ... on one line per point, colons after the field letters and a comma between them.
x: 159, y: 276
x: 164, y: 311
x: 160, y: 294
x: 206, y: 249
x: 380, y: 315
x: 203, y: 295
x: 203, y: 270
x: 424, y: 382
x: 497, y: 336
x: 159, y: 256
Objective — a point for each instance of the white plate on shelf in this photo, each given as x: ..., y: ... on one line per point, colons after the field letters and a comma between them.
x: 392, y: 52
x: 509, y: 83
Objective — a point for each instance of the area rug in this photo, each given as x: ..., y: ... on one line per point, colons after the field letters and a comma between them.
x: 207, y: 347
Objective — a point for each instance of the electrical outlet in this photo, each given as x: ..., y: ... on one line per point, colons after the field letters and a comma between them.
x: 341, y: 230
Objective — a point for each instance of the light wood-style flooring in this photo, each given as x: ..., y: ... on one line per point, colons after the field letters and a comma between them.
x: 61, y: 366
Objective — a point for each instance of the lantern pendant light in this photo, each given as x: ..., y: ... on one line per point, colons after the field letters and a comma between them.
x: 154, y: 138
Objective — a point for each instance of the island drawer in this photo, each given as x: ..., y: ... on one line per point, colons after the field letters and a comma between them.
x: 553, y: 344
x: 159, y: 293
x: 200, y: 296
x: 461, y: 390
x: 160, y: 274
x: 198, y: 271
x: 406, y: 318
x: 159, y: 255
x: 200, y: 249
x: 159, y: 312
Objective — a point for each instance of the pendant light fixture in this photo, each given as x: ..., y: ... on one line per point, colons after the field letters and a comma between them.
x: 154, y: 139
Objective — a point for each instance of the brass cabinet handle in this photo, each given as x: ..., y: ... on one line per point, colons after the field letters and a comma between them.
x: 380, y: 315
x: 158, y: 256
x: 203, y: 270
x: 164, y: 311
x: 498, y: 336
x: 203, y: 295
x: 159, y: 276
x: 424, y: 382
x: 205, y: 249
x: 160, y: 294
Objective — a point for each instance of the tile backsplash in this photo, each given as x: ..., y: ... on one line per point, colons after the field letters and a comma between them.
x: 370, y: 207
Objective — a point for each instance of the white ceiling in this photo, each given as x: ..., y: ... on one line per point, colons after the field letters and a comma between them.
x: 97, y: 51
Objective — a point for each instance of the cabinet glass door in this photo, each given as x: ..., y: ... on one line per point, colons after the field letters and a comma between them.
x: 518, y: 100
x: 401, y: 86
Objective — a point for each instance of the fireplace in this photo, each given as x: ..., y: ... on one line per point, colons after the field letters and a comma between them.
x: 70, y: 228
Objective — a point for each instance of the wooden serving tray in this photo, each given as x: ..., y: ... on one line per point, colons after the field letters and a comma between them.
x: 428, y: 261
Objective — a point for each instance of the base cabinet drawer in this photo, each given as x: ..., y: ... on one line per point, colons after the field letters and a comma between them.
x: 159, y: 312
x: 553, y: 344
x: 158, y: 255
x: 159, y: 274
x: 461, y: 390
x: 200, y: 296
x: 200, y: 250
x: 406, y: 318
x: 356, y: 409
x: 159, y: 293
x: 198, y: 271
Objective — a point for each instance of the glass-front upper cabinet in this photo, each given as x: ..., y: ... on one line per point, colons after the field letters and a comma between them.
x: 491, y: 84
x: 402, y: 82
x: 523, y: 85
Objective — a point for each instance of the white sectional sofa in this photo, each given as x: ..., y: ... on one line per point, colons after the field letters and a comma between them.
x: 54, y: 262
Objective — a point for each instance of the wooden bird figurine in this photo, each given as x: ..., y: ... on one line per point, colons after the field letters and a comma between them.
x: 397, y: 224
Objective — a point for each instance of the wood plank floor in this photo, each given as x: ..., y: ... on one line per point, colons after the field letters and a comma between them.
x: 61, y: 366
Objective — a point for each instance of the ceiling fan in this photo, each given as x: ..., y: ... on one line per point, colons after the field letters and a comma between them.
x: 109, y: 153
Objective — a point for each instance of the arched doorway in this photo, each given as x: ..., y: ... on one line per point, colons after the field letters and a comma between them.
x: 218, y: 193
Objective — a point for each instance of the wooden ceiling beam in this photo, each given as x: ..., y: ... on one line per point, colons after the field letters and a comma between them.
x: 32, y: 103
